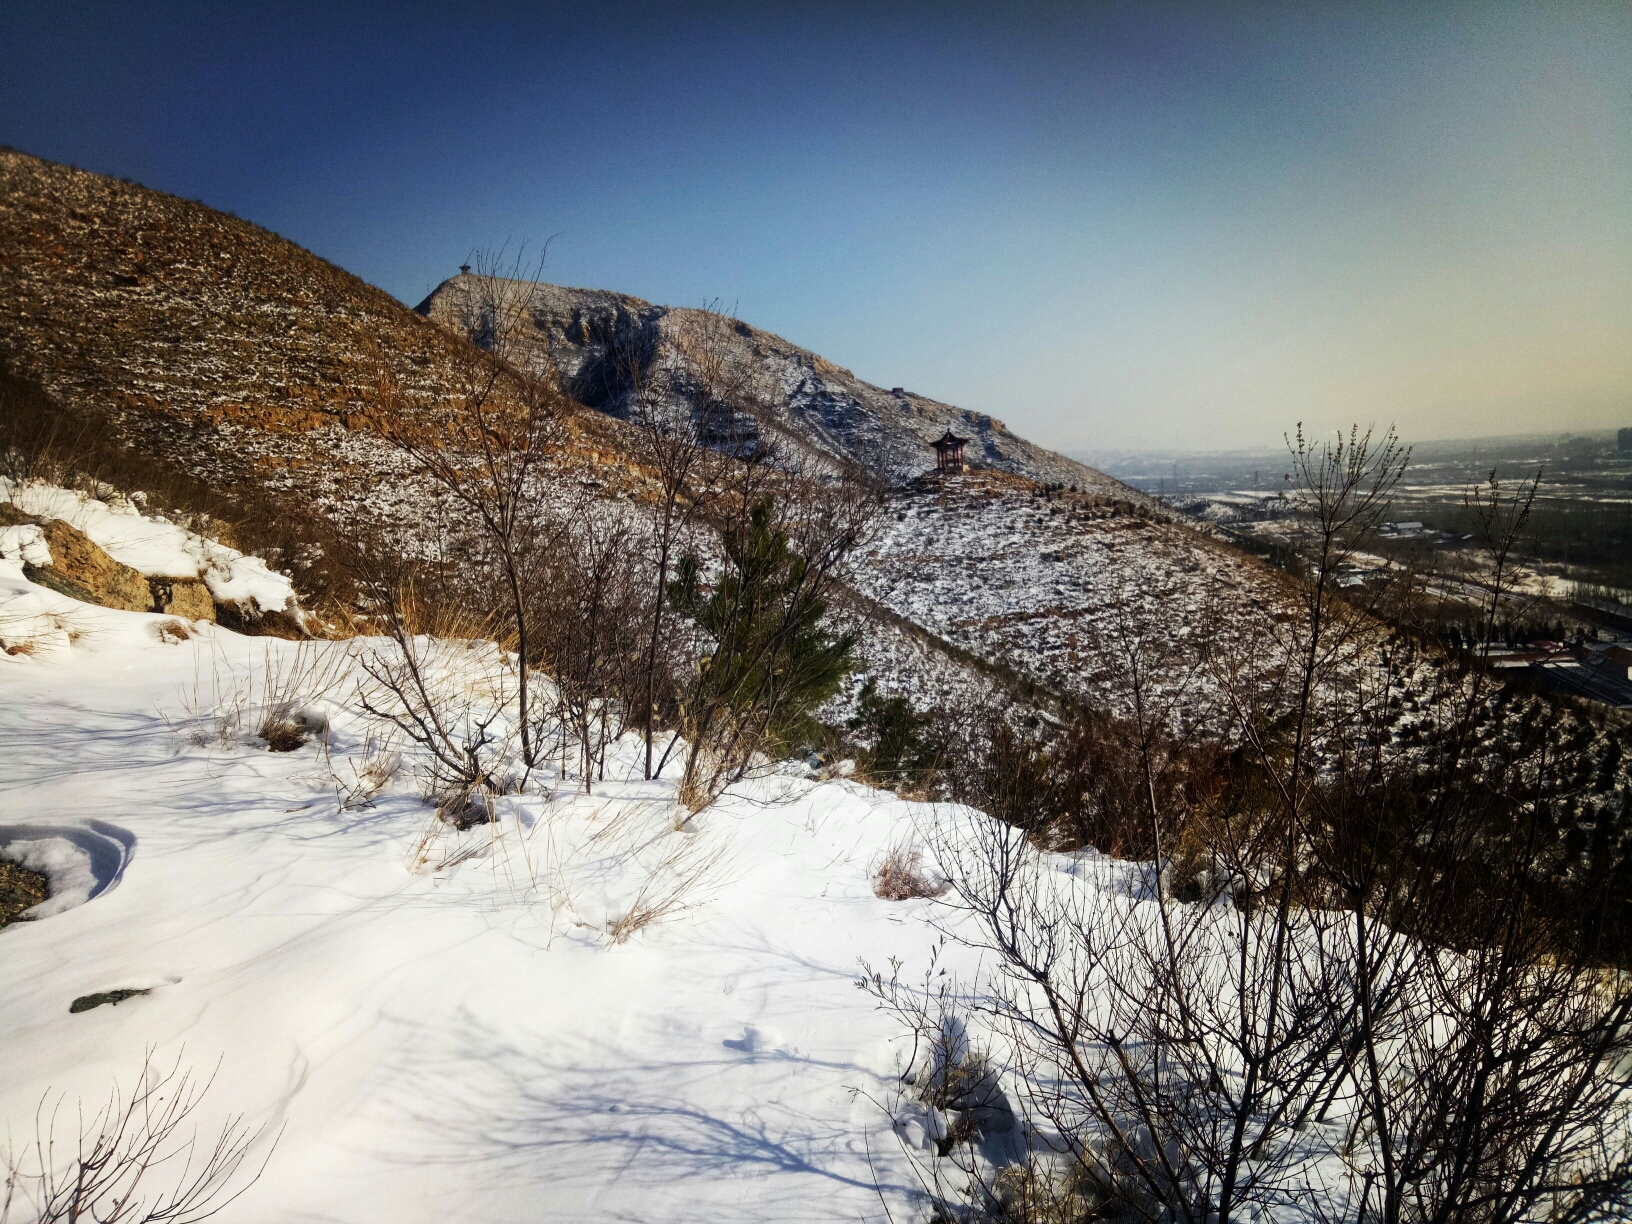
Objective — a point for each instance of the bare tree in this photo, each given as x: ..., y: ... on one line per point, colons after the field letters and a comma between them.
x: 136, y: 1160
x: 592, y: 607
x: 1491, y: 1073
x: 689, y: 400
x: 1166, y: 1049
x: 487, y: 451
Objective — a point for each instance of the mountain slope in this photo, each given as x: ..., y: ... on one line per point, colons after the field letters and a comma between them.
x: 253, y: 364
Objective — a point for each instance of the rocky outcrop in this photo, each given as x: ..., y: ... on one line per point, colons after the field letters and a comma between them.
x: 187, y: 598
x: 81, y: 570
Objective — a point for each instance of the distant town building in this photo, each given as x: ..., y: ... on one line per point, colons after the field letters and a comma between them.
x: 1619, y: 656
x: 949, y: 453
x: 1623, y: 440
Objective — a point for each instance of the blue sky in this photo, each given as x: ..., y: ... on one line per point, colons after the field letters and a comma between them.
x: 1141, y: 225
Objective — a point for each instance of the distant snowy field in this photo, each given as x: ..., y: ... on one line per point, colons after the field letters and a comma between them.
x: 440, y: 1040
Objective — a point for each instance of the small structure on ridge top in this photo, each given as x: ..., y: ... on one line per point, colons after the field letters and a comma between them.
x: 949, y: 453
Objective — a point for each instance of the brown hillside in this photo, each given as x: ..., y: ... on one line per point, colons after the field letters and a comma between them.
x: 205, y: 339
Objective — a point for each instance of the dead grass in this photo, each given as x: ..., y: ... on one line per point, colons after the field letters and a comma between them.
x: 358, y: 779
x: 274, y: 703
x: 283, y: 735
x: 899, y: 874
x: 173, y: 632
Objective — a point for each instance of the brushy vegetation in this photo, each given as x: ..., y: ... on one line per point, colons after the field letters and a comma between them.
x: 586, y: 635
x: 1381, y: 968
x: 136, y: 1160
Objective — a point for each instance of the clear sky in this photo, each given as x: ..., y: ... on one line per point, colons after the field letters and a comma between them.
x: 1143, y: 225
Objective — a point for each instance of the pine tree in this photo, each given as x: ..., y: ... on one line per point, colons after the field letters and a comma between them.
x: 771, y: 661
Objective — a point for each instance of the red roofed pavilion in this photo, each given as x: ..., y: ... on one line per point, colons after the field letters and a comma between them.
x: 949, y: 453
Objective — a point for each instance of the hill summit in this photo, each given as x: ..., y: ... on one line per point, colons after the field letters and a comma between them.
x: 818, y: 405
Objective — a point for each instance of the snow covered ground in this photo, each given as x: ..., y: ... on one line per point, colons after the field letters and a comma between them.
x: 440, y: 1040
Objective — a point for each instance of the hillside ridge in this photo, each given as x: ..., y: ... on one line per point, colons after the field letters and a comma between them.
x: 823, y: 406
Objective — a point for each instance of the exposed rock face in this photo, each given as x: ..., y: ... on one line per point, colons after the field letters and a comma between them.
x: 81, y: 570
x: 822, y: 406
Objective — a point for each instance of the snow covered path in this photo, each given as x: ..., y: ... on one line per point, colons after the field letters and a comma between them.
x: 439, y: 1045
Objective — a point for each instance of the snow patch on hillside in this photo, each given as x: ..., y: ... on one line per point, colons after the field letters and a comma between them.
x: 1047, y: 586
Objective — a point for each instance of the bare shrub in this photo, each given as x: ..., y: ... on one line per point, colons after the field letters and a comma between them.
x: 591, y: 640
x: 137, y: 1160
x: 950, y: 1100
x: 899, y: 874
x: 444, y: 685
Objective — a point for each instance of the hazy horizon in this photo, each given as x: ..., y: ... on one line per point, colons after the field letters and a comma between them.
x: 1279, y: 446
x: 1163, y: 227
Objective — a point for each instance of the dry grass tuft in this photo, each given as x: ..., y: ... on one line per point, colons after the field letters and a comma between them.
x: 283, y: 735
x: 899, y: 874
x: 173, y: 632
